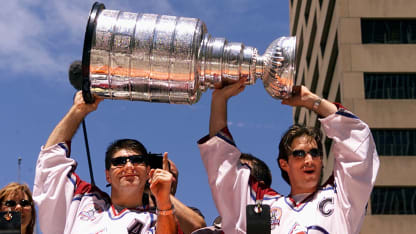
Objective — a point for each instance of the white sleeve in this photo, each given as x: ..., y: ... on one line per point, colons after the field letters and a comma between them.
x: 355, y: 166
x: 228, y: 181
x: 53, y: 189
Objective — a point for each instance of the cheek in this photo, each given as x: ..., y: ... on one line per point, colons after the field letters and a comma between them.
x: 27, y: 211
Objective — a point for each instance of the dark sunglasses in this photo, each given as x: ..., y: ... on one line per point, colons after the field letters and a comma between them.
x: 13, y: 203
x: 302, y: 153
x: 133, y: 159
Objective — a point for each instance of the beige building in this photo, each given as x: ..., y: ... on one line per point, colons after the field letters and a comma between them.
x: 362, y: 53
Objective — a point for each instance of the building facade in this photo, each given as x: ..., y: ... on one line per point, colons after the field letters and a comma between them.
x: 362, y: 53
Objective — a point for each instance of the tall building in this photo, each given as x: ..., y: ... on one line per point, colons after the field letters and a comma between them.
x: 362, y: 53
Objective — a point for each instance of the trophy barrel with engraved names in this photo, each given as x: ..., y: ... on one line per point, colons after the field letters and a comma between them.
x: 169, y: 59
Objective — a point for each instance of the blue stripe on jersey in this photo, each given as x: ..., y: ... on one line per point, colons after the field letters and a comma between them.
x: 346, y: 114
x: 79, y: 196
x: 71, y: 179
x: 63, y: 146
x: 151, y: 223
x: 327, y: 188
x: 294, y: 208
x: 118, y: 217
x: 318, y: 228
x: 225, y: 139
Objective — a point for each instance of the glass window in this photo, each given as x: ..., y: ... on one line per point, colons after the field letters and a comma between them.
x: 392, y: 142
x: 390, y: 85
x: 327, y: 24
x: 393, y: 200
x: 393, y: 31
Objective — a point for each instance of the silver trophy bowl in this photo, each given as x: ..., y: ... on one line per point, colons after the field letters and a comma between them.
x: 169, y: 59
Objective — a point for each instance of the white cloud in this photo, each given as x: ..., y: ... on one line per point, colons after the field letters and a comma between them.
x: 248, y: 125
x: 43, y: 37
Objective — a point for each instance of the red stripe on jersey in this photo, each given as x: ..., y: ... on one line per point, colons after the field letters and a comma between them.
x: 83, y: 187
x: 261, y: 189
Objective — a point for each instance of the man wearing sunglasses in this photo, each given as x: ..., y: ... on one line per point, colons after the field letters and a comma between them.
x: 68, y: 204
x: 336, y: 206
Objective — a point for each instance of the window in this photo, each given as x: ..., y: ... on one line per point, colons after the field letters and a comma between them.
x: 391, y: 142
x: 389, y: 31
x: 315, y: 78
x: 297, y: 113
x: 327, y: 24
x: 296, y: 18
x: 298, y: 54
x: 307, y: 10
x: 393, y: 200
x: 390, y: 85
x: 311, y: 42
x: 331, y: 68
x: 327, y: 144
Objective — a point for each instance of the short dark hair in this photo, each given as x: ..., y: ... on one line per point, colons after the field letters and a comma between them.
x: 260, y: 171
x: 293, y: 132
x: 127, y: 144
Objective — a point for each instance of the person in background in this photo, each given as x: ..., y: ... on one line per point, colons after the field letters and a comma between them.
x: 188, y: 218
x: 17, y: 197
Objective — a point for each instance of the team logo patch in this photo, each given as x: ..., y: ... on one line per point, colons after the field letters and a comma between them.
x: 89, y: 212
x: 298, y: 229
x: 275, y: 215
x: 326, y: 206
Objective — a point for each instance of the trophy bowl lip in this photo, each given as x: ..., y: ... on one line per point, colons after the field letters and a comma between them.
x: 96, y: 8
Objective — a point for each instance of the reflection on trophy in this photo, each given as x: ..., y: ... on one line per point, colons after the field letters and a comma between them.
x: 160, y: 58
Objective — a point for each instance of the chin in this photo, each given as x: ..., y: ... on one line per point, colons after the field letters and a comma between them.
x: 312, y: 184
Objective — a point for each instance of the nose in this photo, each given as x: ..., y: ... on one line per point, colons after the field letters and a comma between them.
x: 128, y: 163
x: 308, y: 159
x: 18, y: 207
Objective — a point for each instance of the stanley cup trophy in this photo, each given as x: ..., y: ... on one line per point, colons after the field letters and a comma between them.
x: 160, y: 58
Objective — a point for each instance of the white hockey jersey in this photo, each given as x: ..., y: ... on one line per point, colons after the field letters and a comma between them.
x: 68, y: 204
x: 337, y: 207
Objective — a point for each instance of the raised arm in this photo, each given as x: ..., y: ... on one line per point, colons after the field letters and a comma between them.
x: 67, y: 127
x: 302, y: 96
x: 55, y: 184
x: 218, y: 117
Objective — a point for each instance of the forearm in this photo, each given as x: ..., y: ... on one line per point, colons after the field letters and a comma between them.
x: 166, y: 224
x: 66, y: 128
x: 218, y: 116
x: 188, y: 219
x: 302, y: 96
x: 324, y: 108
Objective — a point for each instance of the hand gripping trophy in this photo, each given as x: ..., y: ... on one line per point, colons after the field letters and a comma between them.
x: 160, y: 58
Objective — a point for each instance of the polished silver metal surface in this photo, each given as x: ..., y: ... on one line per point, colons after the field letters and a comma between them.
x: 160, y: 58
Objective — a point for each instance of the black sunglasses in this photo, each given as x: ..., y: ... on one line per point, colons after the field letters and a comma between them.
x: 302, y: 153
x: 133, y: 159
x: 13, y: 203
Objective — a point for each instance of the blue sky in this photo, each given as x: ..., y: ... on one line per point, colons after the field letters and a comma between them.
x: 39, y: 40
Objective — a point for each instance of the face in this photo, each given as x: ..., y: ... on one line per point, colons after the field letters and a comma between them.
x: 25, y: 211
x: 130, y: 175
x: 304, y: 172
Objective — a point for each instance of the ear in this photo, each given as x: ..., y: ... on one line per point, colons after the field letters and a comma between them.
x: 107, y: 176
x: 148, y: 168
x: 283, y: 164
